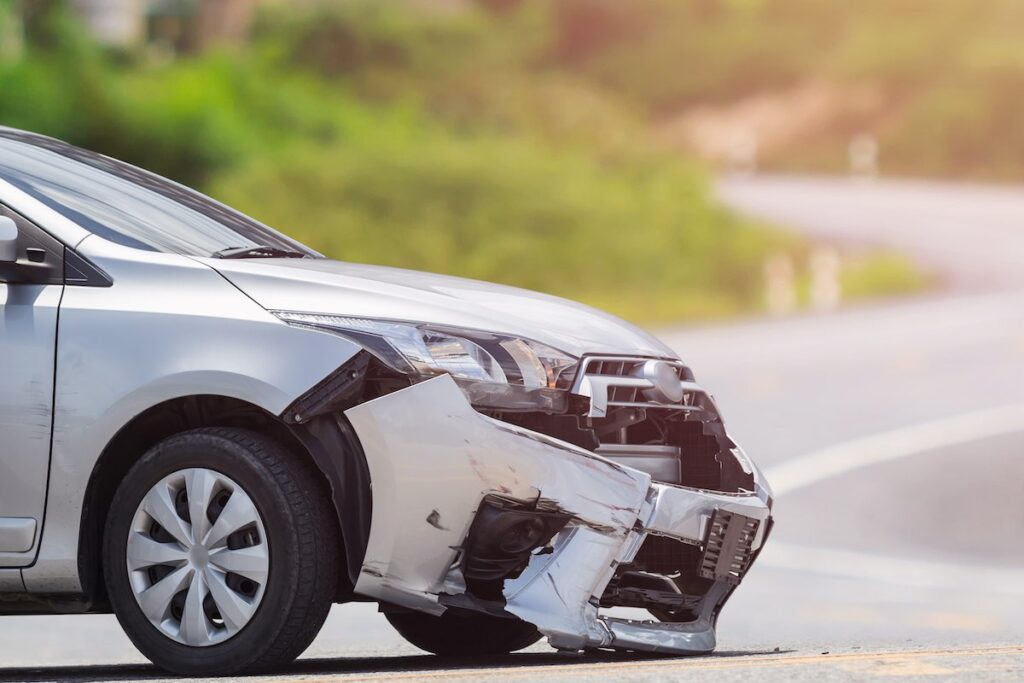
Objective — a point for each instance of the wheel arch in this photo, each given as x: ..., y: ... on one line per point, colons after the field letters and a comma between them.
x: 311, y: 443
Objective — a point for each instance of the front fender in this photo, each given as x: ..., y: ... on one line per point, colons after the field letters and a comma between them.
x: 168, y: 327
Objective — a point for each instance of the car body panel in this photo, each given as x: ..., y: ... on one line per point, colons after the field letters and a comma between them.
x: 10, y: 581
x: 159, y: 333
x: 28, y: 326
x: 335, y: 288
x: 433, y: 458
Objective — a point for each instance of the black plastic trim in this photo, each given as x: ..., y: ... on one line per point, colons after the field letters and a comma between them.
x: 339, y: 389
x: 336, y: 450
x: 486, y: 564
x: 40, y: 258
x: 80, y: 272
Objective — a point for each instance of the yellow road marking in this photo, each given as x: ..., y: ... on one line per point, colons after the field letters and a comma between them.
x: 898, y: 668
x: 957, y: 621
x: 900, y: 660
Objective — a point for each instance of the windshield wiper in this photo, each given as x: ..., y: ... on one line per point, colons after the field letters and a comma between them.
x: 259, y: 251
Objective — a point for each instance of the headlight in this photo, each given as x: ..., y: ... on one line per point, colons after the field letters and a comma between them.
x: 494, y: 370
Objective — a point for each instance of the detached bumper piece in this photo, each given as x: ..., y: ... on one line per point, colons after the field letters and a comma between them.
x: 729, y: 547
x: 474, y: 513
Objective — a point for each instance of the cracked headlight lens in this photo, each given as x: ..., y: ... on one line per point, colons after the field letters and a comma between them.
x: 494, y: 370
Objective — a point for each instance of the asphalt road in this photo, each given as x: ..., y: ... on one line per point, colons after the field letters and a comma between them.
x: 894, y: 435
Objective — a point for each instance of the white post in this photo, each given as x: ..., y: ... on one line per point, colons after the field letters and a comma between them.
x: 779, y: 284
x: 826, y: 289
x: 116, y: 23
x: 743, y: 152
x: 863, y: 153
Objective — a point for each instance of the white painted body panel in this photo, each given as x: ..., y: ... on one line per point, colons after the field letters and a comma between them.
x: 353, y: 289
x: 18, y: 534
x: 28, y: 327
x: 430, y: 452
x: 10, y: 581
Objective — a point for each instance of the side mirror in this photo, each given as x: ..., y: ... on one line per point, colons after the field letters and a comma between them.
x: 8, y: 240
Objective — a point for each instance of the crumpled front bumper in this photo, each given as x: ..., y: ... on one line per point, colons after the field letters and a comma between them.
x: 433, y: 459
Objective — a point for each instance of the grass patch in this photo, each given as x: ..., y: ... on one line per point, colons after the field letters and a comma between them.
x: 883, y: 274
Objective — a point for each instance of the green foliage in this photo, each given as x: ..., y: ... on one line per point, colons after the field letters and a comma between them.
x: 879, y: 275
x: 511, y: 211
x: 947, y: 73
x: 478, y: 143
x: 72, y: 92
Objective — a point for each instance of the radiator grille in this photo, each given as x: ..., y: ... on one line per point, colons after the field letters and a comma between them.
x: 612, y: 381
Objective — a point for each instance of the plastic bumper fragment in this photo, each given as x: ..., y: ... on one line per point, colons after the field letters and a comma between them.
x: 433, y: 460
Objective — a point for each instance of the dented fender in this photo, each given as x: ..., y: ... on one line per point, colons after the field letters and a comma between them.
x: 433, y: 459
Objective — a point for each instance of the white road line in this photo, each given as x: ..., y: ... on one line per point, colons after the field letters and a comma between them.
x: 891, y: 570
x: 900, y: 443
x: 905, y: 442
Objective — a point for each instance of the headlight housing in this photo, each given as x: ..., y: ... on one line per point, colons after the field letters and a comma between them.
x: 494, y: 370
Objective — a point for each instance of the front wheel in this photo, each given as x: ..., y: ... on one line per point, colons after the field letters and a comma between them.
x: 464, y: 635
x: 221, y: 554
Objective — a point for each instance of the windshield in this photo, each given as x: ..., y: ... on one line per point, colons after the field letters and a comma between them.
x: 132, y: 207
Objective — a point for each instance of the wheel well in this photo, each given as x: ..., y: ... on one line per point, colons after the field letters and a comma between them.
x: 136, y: 438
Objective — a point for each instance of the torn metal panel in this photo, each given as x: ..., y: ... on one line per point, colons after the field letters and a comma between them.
x: 557, y: 592
x: 693, y: 637
x: 648, y: 636
x: 433, y: 460
x: 685, y: 513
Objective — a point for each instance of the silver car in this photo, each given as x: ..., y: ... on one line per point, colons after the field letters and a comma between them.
x: 216, y: 433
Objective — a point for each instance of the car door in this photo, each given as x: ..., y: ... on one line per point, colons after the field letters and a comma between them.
x: 30, y: 297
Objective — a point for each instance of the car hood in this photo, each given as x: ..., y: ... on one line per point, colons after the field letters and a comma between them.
x: 336, y: 288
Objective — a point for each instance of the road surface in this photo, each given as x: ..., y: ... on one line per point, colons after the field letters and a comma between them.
x: 894, y: 435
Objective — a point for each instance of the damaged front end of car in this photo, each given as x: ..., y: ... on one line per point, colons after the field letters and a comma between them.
x: 616, y: 487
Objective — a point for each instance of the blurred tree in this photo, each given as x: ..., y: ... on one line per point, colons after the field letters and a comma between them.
x: 113, y: 23
x: 223, y: 22
x: 502, y: 139
x: 587, y: 27
x: 37, y: 17
x: 500, y: 6
x: 12, y: 40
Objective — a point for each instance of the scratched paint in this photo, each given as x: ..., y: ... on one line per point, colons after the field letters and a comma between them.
x: 433, y: 458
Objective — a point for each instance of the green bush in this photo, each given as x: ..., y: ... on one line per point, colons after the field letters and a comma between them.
x: 511, y: 211
x: 72, y: 91
x: 880, y: 275
x: 455, y: 142
x: 947, y: 73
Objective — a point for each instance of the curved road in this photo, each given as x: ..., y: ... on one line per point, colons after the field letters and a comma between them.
x: 894, y: 435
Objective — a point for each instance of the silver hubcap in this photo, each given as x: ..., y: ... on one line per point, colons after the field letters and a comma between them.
x: 198, y: 557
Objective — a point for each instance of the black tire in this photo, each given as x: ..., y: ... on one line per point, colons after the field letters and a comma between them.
x: 302, y: 537
x: 464, y: 635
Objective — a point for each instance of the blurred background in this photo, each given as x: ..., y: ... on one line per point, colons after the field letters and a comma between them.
x: 563, y: 146
x: 817, y: 202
